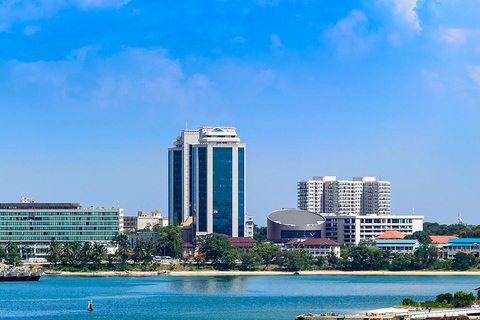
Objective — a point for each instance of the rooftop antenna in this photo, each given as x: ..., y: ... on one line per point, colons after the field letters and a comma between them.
x: 118, y: 204
x: 413, y: 210
x: 460, y: 222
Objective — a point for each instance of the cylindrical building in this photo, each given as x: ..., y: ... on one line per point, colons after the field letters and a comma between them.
x: 286, y: 224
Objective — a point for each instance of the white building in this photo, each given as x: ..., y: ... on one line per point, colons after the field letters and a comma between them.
x: 249, y: 227
x: 326, y: 194
x: 351, y: 229
x: 206, y: 177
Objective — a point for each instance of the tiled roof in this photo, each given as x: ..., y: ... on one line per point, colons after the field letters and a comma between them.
x: 442, y: 239
x: 188, y: 245
x: 391, y: 234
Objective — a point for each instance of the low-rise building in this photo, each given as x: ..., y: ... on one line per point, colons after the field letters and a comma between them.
x: 249, y: 226
x: 351, y: 229
x: 32, y: 224
x: 142, y: 236
x: 317, y: 247
x: 188, y: 249
x: 465, y: 245
x: 145, y: 221
x: 441, y: 241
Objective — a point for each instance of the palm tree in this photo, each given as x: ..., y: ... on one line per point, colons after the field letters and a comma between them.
x: 86, y: 253
x: 54, y: 252
x: 99, y: 252
x: 143, y: 251
x: 123, y: 247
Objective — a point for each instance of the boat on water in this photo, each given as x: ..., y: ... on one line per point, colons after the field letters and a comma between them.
x: 52, y: 272
x: 14, y: 274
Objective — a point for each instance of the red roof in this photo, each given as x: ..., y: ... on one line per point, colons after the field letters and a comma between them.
x: 313, y: 242
x: 442, y: 239
x: 188, y: 245
x: 391, y: 234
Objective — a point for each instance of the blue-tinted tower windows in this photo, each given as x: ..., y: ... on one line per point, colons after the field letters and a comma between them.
x: 241, y: 192
x: 222, y: 190
x: 202, y: 189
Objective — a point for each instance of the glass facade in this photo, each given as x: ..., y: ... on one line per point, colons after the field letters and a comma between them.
x: 202, y: 189
x: 222, y: 190
x: 241, y: 192
x: 177, y: 188
x: 68, y: 225
x: 290, y: 234
x: 190, y: 172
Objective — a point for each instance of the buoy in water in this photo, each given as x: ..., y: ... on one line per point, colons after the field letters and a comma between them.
x: 90, y: 305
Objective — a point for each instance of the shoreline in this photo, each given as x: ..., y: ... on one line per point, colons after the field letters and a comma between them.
x: 263, y: 273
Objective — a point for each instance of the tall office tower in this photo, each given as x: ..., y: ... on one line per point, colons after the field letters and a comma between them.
x: 361, y: 196
x: 180, y: 177
x: 216, y: 182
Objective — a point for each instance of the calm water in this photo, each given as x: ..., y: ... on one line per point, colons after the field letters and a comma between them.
x: 242, y: 297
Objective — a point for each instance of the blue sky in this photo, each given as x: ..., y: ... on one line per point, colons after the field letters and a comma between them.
x: 93, y: 92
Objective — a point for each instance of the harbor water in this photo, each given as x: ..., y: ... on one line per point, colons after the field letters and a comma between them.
x: 225, y: 297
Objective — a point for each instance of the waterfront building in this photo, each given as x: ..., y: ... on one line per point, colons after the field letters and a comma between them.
x: 32, y: 224
x: 362, y: 196
x: 441, y: 241
x: 394, y: 242
x: 465, y: 245
x: 249, y: 226
x: 351, y: 229
x: 286, y: 224
x: 317, y: 247
x: 206, y: 178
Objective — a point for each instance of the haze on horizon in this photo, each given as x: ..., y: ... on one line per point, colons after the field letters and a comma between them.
x: 93, y: 92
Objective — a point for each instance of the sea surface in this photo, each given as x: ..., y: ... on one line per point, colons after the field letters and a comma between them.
x: 225, y: 297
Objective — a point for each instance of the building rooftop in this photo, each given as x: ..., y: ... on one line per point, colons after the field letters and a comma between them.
x: 441, y: 239
x: 391, y: 234
x: 294, y: 217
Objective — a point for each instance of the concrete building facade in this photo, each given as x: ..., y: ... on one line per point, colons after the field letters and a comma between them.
x: 287, y: 224
x: 362, y: 196
x: 351, y: 229
x: 37, y: 224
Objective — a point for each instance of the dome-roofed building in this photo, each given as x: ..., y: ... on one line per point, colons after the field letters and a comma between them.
x: 286, y: 224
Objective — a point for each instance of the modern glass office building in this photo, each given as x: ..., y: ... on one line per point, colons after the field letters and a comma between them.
x: 207, y: 181
x: 37, y: 224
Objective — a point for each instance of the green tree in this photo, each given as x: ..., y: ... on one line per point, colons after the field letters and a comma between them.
x: 123, y: 247
x: 266, y: 251
x: 462, y: 299
x: 444, y: 298
x: 229, y: 258
x: 425, y: 256
x: 13, y: 257
x: 165, y: 230
x: 423, y: 237
x: 99, y: 252
x: 464, y: 261
x: 143, y: 251
x: 250, y: 260
x: 171, y: 243
x: 3, y: 253
x: 409, y: 302
x: 332, y: 260
x: 54, y: 252
x: 365, y: 258
x: 86, y: 253
x: 402, y: 262
x: 214, y: 246
x: 296, y: 260
x: 320, y: 262
x: 259, y: 233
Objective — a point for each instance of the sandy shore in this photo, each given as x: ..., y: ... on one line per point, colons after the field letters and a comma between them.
x: 268, y: 273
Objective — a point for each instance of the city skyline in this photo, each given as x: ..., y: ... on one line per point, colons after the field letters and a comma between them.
x: 94, y: 92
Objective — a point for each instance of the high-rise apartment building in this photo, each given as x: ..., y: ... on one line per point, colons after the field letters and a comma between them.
x: 206, y: 177
x: 326, y: 194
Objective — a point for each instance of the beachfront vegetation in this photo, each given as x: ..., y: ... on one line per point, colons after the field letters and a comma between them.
x: 444, y: 300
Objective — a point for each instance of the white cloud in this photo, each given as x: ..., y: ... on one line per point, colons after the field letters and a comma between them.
x: 131, y: 78
x: 474, y: 73
x: 31, y: 30
x: 351, y: 34
x: 407, y: 10
x: 453, y: 35
x: 275, y: 41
